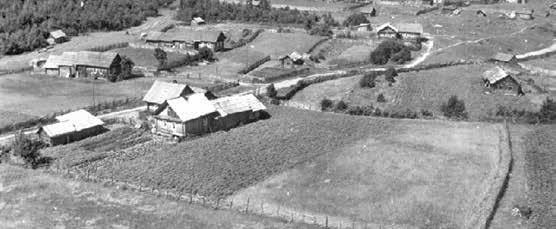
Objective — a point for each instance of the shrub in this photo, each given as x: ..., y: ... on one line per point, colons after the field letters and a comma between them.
x: 27, y: 148
x: 426, y: 113
x: 326, y: 104
x: 402, y: 56
x: 385, y: 50
x: 454, y: 108
x: 547, y: 114
x: 368, y: 80
x: 355, y: 19
x: 206, y: 53
x: 390, y: 74
x: 381, y: 98
x: 341, y: 106
x: 271, y: 91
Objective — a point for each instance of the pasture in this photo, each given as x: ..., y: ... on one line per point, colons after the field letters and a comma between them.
x: 403, y: 173
x: 145, y: 57
x: 40, y: 200
x: 279, y: 44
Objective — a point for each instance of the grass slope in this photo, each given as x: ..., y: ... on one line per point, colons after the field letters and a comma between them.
x: 31, y: 199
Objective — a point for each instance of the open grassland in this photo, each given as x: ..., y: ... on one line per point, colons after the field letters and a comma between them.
x: 10, y: 117
x: 31, y: 199
x: 311, y: 5
x: 403, y: 173
x: 336, y: 90
x: 279, y: 44
x: 145, y: 57
x: 221, y: 163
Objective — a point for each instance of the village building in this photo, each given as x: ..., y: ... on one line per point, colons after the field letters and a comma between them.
x: 286, y: 61
x: 364, y: 27
x: 524, y: 14
x: 83, y: 64
x: 197, y: 21
x: 387, y: 31
x: 294, y: 58
x: 71, y: 127
x: 196, y: 115
x: 190, y: 39
x: 500, y: 79
x: 449, y: 9
x: 57, y: 37
x: 517, y: 1
x: 504, y: 58
x: 162, y: 91
x: 368, y: 11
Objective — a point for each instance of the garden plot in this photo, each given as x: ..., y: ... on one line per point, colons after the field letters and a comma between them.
x: 403, y: 173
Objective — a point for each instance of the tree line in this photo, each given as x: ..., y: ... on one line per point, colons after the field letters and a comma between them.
x: 25, y: 24
x: 214, y: 11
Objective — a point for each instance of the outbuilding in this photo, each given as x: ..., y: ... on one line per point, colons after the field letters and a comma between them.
x: 387, y: 31
x: 197, y: 21
x: 410, y: 30
x: 57, y: 37
x: 187, y: 39
x: 500, y: 79
x: 70, y: 127
x: 83, y: 64
x: 504, y: 58
x: 368, y: 11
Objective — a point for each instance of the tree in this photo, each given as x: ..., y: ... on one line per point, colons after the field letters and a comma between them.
x: 368, y: 80
x: 547, y: 113
x: 356, y: 19
x: 390, y: 74
x: 161, y: 57
x: 126, y: 65
x: 271, y: 91
x: 325, y: 104
x: 26, y: 148
x: 206, y: 53
x: 380, y: 98
x: 341, y: 106
x: 454, y: 108
x: 382, y: 54
x: 402, y: 56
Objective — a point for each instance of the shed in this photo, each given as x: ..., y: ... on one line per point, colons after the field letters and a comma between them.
x: 363, y: 27
x: 71, y: 127
x: 197, y: 21
x: 525, y: 14
x: 504, y: 58
x: 236, y: 111
x: 56, y: 37
x: 481, y: 13
x: 409, y: 30
x: 498, y: 78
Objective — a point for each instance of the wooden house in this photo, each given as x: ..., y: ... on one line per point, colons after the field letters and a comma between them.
x: 71, y: 127
x: 286, y: 61
x: 83, y: 64
x: 498, y: 78
x: 387, y: 31
x: 364, y: 27
x: 162, y: 91
x: 57, y: 37
x: 409, y: 30
x: 504, y: 58
x: 187, y: 39
x: 236, y: 111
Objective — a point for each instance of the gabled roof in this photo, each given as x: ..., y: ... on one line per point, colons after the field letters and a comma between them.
x: 192, y: 107
x: 198, y: 20
x: 495, y: 74
x: 161, y: 91
x: 504, y: 57
x: 86, y: 58
x: 409, y: 28
x: 188, y: 35
x: 386, y: 25
x: 237, y: 103
x: 57, y: 34
x: 72, y: 122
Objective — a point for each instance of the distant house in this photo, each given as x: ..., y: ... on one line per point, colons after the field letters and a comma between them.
x: 197, y: 21
x: 525, y: 14
x: 162, y: 91
x: 70, y: 127
x: 387, y: 31
x: 190, y: 39
x: 498, y: 78
x: 56, y: 37
x: 196, y: 115
x: 83, y: 64
x: 368, y: 11
x: 286, y: 61
x: 517, y: 1
x: 481, y: 13
x: 449, y: 9
x: 504, y: 58
x: 364, y: 27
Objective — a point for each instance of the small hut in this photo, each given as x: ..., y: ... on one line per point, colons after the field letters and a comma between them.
x: 71, y: 127
x: 57, y: 37
x: 500, y: 79
x: 504, y: 58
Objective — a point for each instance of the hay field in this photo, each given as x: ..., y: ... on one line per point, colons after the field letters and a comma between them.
x: 31, y: 199
x: 404, y: 174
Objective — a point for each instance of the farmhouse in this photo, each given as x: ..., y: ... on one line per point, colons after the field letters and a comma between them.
x: 56, y: 37
x: 83, y: 64
x: 190, y: 39
x: 504, y: 58
x: 387, y: 31
x: 71, y: 127
x: 162, y: 91
x: 196, y: 115
x: 498, y: 78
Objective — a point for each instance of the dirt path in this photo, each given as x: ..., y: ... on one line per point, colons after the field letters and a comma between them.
x: 545, y: 51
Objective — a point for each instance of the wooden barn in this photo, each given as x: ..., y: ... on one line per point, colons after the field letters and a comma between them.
x: 500, y: 79
x: 187, y: 39
x: 504, y: 58
x: 236, y: 111
x: 161, y: 91
x: 185, y: 116
x: 83, y: 64
x: 70, y: 127
x: 57, y: 37
x: 409, y: 31
x: 387, y: 31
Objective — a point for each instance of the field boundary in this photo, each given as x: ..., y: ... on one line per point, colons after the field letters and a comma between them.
x: 486, y: 208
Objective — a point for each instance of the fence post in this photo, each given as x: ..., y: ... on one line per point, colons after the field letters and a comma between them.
x: 326, y: 222
x: 247, y: 206
x: 231, y: 203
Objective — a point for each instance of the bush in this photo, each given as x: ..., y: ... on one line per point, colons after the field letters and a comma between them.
x: 454, y: 108
x: 402, y: 56
x: 368, y: 80
x: 390, y: 74
x: 547, y: 114
x: 341, y: 106
x: 381, y: 98
x: 27, y: 148
x: 326, y: 104
x: 385, y: 50
x: 271, y: 91
x: 356, y: 19
x: 426, y: 113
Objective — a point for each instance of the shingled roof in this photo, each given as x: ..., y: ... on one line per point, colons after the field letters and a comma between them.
x: 161, y: 91
x: 57, y: 34
x: 192, y: 107
x: 82, y: 58
x: 495, y: 74
x: 237, y: 103
x: 409, y: 28
x: 185, y: 36
x: 72, y: 122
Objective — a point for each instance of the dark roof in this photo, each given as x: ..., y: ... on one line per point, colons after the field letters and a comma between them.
x: 504, y: 57
x: 185, y: 35
x: 86, y: 58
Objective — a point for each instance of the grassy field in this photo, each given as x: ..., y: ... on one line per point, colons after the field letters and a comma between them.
x: 279, y: 44
x: 9, y: 117
x: 332, y: 89
x: 354, y: 54
x: 31, y: 199
x: 411, y: 174
x: 145, y: 57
